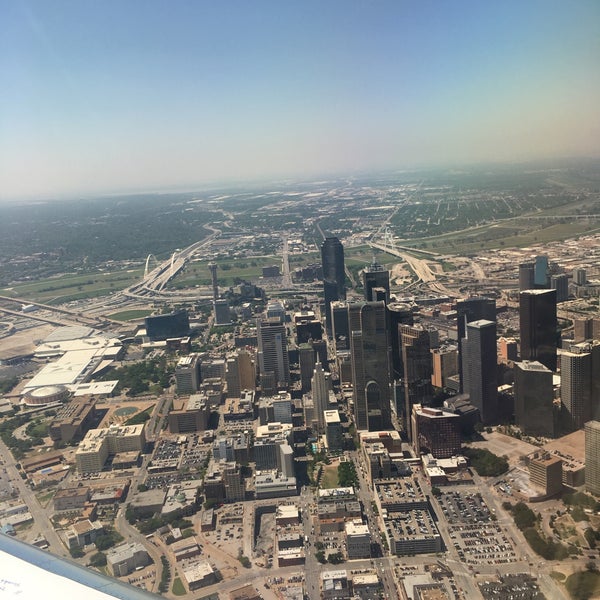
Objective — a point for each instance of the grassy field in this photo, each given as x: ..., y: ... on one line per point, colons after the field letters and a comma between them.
x: 178, y: 588
x: 516, y: 233
x: 65, y: 288
x: 130, y: 315
x: 329, y: 479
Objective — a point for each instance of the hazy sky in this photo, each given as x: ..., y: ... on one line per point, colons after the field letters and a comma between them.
x: 116, y: 95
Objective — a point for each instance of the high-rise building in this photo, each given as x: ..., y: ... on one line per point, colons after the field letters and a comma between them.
x: 586, y: 329
x: 240, y: 374
x: 273, y: 357
x: 560, y: 283
x: 534, y: 399
x: 333, y: 430
x: 541, y: 273
x: 592, y: 457
x: 375, y: 276
x: 340, y: 331
x: 370, y: 365
x: 480, y: 365
x: 222, y: 312
x: 187, y: 374
x: 306, y: 360
x: 398, y: 314
x: 435, y: 431
x: 467, y: 310
x: 576, y: 387
x: 526, y: 276
x: 418, y: 367
x: 538, y: 325
x: 444, y: 364
x: 579, y: 276
x: 321, y: 384
x: 334, y: 275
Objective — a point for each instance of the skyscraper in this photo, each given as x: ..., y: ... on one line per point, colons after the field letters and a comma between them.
x: 576, y: 387
x: 273, y: 357
x: 541, y: 273
x: 334, y: 275
x: 370, y: 365
x: 537, y: 317
x: 526, y: 276
x: 418, y: 367
x: 398, y: 314
x: 592, y: 457
x: 241, y: 373
x: 320, y: 392
x: 479, y: 358
x: 375, y: 276
x: 467, y: 310
x: 534, y: 399
x: 560, y: 283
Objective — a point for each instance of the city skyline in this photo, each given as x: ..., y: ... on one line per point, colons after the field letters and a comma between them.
x: 122, y: 97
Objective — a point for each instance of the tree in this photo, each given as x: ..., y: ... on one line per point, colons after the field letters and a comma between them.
x: 98, y: 560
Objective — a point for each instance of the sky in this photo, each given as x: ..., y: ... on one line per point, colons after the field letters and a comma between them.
x: 124, y: 95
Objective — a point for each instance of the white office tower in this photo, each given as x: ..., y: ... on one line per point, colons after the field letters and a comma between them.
x: 273, y: 357
x: 286, y: 458
x: 321, y: 383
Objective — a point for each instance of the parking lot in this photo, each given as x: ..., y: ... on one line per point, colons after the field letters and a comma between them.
x: 474, y: 532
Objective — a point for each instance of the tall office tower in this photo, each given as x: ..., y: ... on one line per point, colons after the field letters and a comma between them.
x: 508, y: 349
x: 480, y: 365
x: 444, y: 364
x: 592, y: 457
x: 586, y: 329
x: 416, y: 357
x: 471, y: 309
x: 273, y: 360
x: 534, y: 406
x: 560, y: 283
x: 370, y: 365
x: 579, y: 276
x: 187, y: 374
x: 276, y: 310
x: 333, y: 431
x: 240, y: 374
x: 306, y: 359
x: 222, y: 312
x: 398, y: 314
x: 308, y: 327
x: 526, y: 276
x: 576, y: 387
x: 334, y: 275
x: 321, y: 383
x: 375, y: 276
x: 340, y: 331
x: 435, y: 431
x: 541, y: 274
x: 212, y: 267
x: 538, y: 325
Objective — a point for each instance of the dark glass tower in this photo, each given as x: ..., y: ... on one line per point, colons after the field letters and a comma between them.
x: 334, y: 275
x: 471, y: 309
x: 538, y: 324
x: 480, y: 361
x: 398, y: 314
x: 375, y: 276
x: 370, y: 365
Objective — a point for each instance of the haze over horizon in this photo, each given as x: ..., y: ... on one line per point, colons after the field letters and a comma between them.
x: 101, y: 97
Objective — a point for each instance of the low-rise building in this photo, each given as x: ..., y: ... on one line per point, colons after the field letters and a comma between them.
x: 358, y: 540
x: 198, y: 574
x: 125, y: 558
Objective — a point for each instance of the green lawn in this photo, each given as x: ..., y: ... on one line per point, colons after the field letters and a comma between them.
x: 583, y: 585
x: 178, y: 588
x: 130, y: 315
x: 329, y: 480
